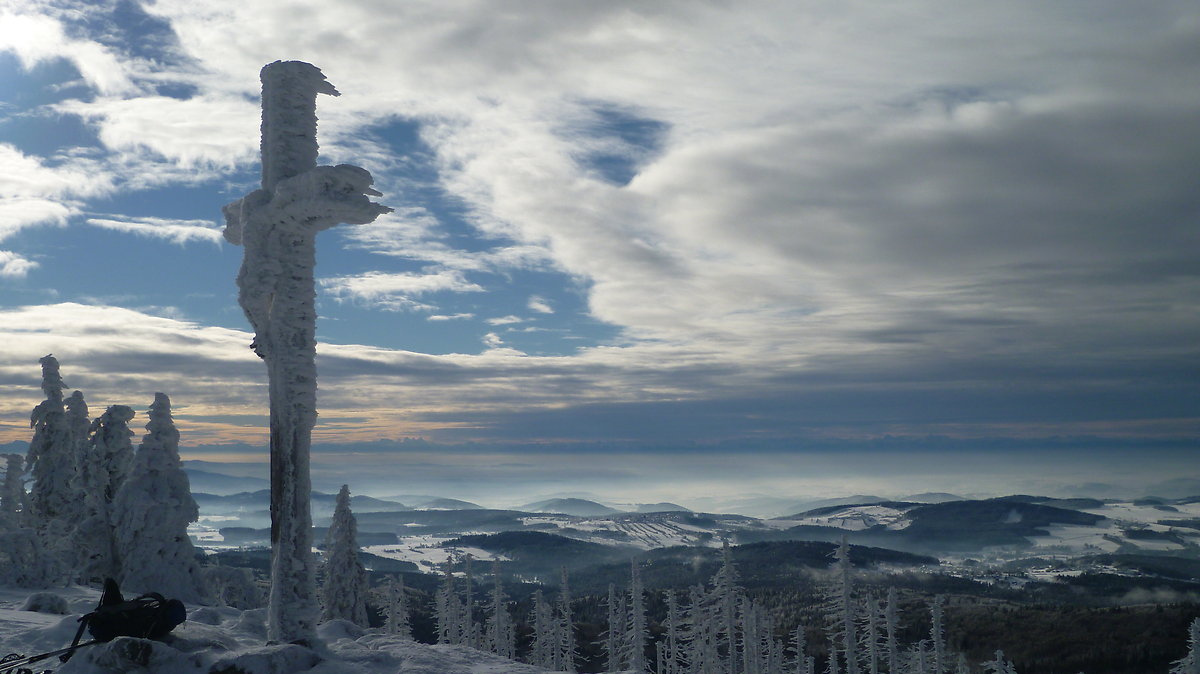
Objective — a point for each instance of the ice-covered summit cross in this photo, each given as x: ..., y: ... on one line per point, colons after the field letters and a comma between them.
x: 277, y: 225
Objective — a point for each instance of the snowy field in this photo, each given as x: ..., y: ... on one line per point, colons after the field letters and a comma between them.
x: 220, y: 639
x: 427, y: 551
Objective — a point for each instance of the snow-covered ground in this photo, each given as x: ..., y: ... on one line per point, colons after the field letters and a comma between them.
x: 222, y: 639
x: 1114, y: 533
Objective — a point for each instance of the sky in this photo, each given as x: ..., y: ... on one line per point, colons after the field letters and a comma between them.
x: 670, y: 247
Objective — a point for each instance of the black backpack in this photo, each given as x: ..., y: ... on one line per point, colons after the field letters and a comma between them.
x: 150, y: 616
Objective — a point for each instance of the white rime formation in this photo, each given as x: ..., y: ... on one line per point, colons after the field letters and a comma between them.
x: 344, y: 594
x: 277, y: 225
x: 151, y: 513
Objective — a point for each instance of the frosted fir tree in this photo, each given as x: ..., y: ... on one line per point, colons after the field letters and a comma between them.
x: 727, y: 595
x: 564, y: 654
x: 671, y: 647
x: 999, y: 665
x: 891, y: 624
x: 53, y: 499
x: 398, y: 621
x: 937, y: 635
x: 470, y: 629
x: 500, y: 631
x: 872, y: 635
x: 544, y: 643
x: 841, y: 611
x: 448, y: 608
x: 633, y: 646
x: 105, y: 463
x: 344, y: 594
x: 151, y: 513
x: 616, y: 630
x: 277, y: 225
x: 12, y: 493
x: 802, y: 663
x: 1190, y: 663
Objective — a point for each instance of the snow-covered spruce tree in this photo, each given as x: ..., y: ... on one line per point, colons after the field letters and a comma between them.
x: 871, y: 636
x: 918, y: 662
x: 633, y: 646
x: 801, y: 662
x: 937, y: 636
x: 448, y: 608
x: 999, y: 665
x: 344, y: 593
x: 78, y: 423
x: 841, y: 611
x: 501, y: 638
x: 544, y: 643
x: 1190, y: 663
x: 726, y: 594
x: 104, y: 465
x: 700, y: 633
x: 564, y: 652
x: 616, y: 630
x: 151, y: 513
x: 398, y: 622
x: 752, y: 638
x: 891, y: 623
x: 672, y: 642
x: 52, y: 499
x: 12, y: 493
x: 832, y: 666
x: 472, y: 635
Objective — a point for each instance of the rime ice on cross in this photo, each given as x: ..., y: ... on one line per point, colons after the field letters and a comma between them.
x: 278, y: 225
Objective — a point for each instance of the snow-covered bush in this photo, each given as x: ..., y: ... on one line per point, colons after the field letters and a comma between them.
x: 46, y: 602
x: 232, y: 586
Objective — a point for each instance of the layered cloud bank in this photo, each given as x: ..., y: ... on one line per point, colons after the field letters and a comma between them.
x: 645, y: 223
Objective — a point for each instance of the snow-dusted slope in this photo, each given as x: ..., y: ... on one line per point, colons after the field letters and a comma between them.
x: 853, y: 518
x: 225, y: 638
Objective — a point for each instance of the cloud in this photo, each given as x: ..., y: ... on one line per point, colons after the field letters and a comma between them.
x: 36, y: 191
x: 540, y: 305
x: 176, y: 231
x: 396, y: 292
x: 202, y: 132
x: 449, y: 317
x: 38, y: 38
x: 13, y: 265
x: 978, y: 215
x: 505, y: 320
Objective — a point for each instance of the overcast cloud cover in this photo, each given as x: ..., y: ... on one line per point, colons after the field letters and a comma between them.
x: 766, y: 225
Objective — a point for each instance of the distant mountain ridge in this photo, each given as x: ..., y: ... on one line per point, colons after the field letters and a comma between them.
x: 570, y: 506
